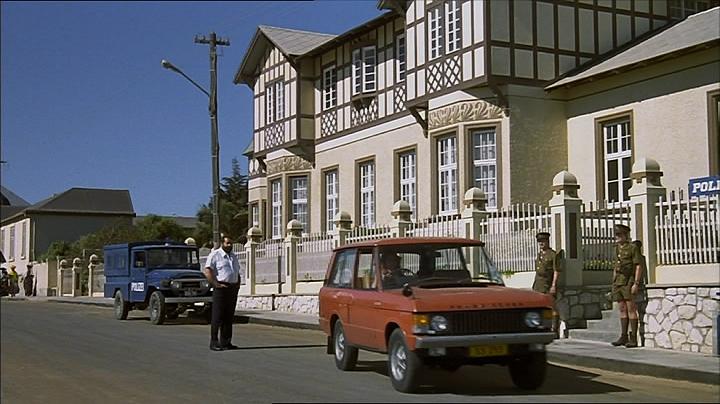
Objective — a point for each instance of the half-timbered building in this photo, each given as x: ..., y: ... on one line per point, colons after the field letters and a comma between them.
x: 433, y: 97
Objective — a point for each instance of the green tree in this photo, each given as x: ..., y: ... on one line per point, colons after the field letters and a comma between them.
x: 154, y: 227
x: 233, y: 212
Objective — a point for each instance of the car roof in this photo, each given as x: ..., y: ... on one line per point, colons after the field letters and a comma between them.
x: 402, y: 241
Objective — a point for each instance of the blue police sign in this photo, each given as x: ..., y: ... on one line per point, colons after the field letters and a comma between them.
x: 704, y: 186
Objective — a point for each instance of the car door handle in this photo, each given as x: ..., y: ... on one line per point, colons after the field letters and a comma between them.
x: 377, y: 303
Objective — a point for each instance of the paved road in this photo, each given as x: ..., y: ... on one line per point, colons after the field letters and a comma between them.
x: 53, y: 352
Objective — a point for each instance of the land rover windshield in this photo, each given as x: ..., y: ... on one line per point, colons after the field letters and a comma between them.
x: 436, y: 265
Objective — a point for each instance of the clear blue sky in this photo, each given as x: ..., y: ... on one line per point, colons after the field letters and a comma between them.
x: 86, y: 103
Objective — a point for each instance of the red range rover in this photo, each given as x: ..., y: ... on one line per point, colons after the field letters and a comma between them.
x: 436, y: 302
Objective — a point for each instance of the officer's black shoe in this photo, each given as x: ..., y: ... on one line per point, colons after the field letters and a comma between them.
x: 620, y: 341
x: 216, y: 347
x: 231, y: 347
x: 632, y: 343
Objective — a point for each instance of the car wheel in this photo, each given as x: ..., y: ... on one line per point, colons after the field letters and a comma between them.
x: 528, y: 372
x: 172, y: 312
x: 157, y: 308
x: 121, y: 306
x: 404, y: 366
x: 345, y: 355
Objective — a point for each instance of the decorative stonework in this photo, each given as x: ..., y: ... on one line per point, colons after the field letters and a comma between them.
x: 302, y: 304
x: 288, y: 163
x: 680, y: 318
x: 463, y: 112
x: 576, y: 306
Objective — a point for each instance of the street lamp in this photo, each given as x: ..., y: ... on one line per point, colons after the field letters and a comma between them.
x: 214, y: 146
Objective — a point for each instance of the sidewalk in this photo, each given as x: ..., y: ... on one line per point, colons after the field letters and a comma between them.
x: 661, y: 363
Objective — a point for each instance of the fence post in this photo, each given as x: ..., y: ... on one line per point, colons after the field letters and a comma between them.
x: 472, y: 217
x: 76, y: 268
x: 342, y: 221
x: 62, y: 266
x: 565, y: 224
x: 645, y: 192
x: 93, y: 262
x: 254, y: 235
x: 294, y: 230
x: 401, y: 221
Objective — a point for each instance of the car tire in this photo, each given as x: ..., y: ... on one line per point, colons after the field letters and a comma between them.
x: 171, y: 312
x: 528, y: 372
x: 345, y: 355
x: 157, y: 308
x: 404, y: 366
x: 121, y: 306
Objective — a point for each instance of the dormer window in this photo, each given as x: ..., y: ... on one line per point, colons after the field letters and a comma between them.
x: 364, y: 74
x: 445, y: 29
x: 329, y: 87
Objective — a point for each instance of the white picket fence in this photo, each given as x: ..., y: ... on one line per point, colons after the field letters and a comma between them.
x: 365, y: 234
x: 437, y: 226
x: 688, y: 230
x: 509, y: 235
x: 315, y: 242
x: 597, y: 233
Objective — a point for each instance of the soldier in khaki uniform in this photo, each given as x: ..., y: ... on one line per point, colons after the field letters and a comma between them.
x: 626, y: 281
x: 547, y: 272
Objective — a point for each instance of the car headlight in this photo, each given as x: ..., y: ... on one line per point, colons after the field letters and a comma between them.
x: 533, y: 319
x: 175, y: 284
x: 439, y: 324
x: 204, y: 284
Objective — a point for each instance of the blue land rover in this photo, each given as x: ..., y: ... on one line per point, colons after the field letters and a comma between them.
x: 163, y: 277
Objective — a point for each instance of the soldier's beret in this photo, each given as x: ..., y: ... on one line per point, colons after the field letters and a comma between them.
x: 542, y: 236
x: 621, y: 229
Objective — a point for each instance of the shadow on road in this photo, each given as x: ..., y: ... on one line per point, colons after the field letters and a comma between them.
x: 250, y: 348
x: 494, y: 380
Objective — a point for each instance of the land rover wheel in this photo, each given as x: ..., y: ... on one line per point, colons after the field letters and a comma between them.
x: 172, y: 311
x: 121, y: 306
x: 528, y: 372
x: 345, y: 355
x: 157, y: 308
x: 404, y: 366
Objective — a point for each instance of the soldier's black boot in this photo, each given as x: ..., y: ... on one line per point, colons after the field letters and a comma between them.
x: 632, y: 341
x: 624, y: 335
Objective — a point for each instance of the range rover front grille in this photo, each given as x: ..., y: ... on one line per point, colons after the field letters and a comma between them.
x: 487, y: 322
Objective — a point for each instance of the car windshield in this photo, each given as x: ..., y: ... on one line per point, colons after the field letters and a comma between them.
x: 173, y: 258
x: 436, y: 265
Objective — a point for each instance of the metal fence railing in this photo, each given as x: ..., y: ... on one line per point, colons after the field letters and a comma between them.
x: 597, y: 233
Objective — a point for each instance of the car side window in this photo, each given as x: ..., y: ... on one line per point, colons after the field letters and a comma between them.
x: 139, y: 259
x: 342, y: 273
x: 365, y: 278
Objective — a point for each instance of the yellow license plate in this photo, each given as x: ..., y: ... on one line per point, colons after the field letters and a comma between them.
x: 488, y: 350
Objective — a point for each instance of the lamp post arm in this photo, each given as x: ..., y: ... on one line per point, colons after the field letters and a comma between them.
x: 193, y: 82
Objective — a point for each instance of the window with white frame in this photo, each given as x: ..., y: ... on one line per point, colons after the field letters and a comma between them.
x: 484, y: 144
x: 279, y: 100
x: 2, y: 240
x: 11, y: 247
x: 276, y: 201
x: 401, y: 57
x: 407, y: 179
x: 435, y: 18
x: 275, y: 102
x: 617, y: 160
x: 452, y: 25
x: 255, y: 215
x: 447, y: 174
x: 299, y: 200
x: 269, y: 104
x: 23, y: 239
x: 364, y: 70
x: 367, y: 194
x: 329, y: 87
x: 331, y: 199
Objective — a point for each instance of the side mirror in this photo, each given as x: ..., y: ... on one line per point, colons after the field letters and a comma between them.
x: 407, y: 290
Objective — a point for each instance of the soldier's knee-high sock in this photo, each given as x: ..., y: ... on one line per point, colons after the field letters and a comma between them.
x: 632, y: 342
x: 623, y: 334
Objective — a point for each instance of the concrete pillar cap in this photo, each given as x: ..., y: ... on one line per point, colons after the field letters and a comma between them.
x: 564, y: 179
x: 94, y: 259
x: 342, y: 216
x: 474, y: 194
x: 295, y: 225
x: 401, y: 207
x: 190, y: 241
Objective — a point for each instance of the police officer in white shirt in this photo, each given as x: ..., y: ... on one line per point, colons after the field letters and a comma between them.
x: 222, y: 270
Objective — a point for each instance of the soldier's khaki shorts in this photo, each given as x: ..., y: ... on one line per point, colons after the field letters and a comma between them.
x: 621, y: 292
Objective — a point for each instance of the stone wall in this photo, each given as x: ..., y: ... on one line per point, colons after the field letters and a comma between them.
x: 580, y: 304
x: 680, y: 318
x: 298, y: 303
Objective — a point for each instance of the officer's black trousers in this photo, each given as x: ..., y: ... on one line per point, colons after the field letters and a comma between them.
x: 223, y: 311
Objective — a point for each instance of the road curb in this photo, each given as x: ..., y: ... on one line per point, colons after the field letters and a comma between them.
x: 635, y: 368
x: 254, y: 319
x: 101, y: 304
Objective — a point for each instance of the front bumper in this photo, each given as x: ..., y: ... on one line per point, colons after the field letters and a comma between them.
x: 198, y: 299
x: 450, y: 341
